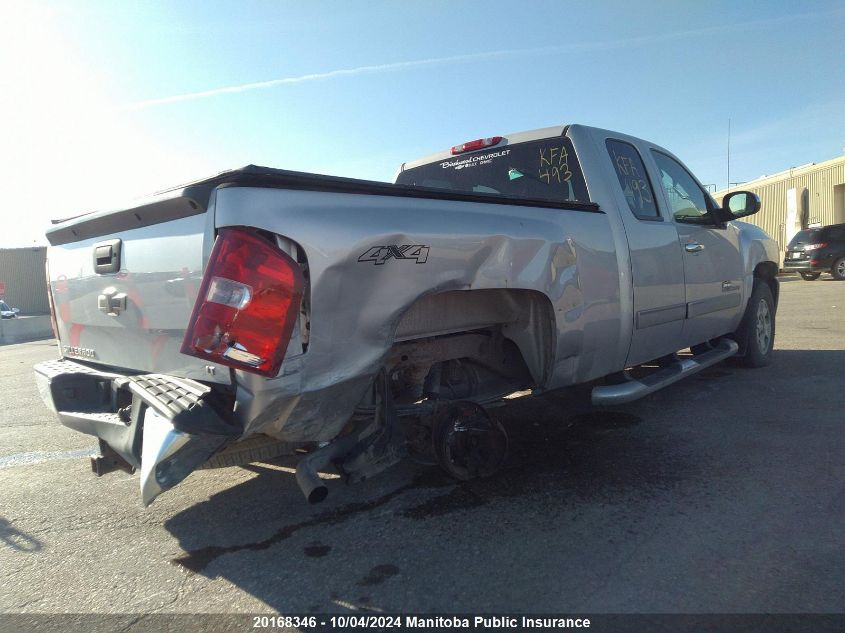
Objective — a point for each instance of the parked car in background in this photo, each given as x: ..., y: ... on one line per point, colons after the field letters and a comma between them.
x: 815, y: 251
x: 6, y: 312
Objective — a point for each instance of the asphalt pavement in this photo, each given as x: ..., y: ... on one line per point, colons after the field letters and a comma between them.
x: 724, y: 493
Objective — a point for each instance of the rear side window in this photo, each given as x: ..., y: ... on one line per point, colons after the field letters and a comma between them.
x: 807, y: 236
x: 835, y: 233
x: 544, y: 170
x: 633, y: 179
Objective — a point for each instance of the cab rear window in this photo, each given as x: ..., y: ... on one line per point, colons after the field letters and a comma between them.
x: 544, y: 170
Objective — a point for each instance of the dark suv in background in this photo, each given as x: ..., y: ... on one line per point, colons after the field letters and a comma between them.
x: 814, y: 251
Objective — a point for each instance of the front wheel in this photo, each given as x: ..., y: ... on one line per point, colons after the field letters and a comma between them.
x: 838, y: 270
x: 757, y: 327
x: 810, y: 276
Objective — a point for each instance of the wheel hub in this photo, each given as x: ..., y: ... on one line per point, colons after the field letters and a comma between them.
x: 764, y: 326
x: 467, y: 442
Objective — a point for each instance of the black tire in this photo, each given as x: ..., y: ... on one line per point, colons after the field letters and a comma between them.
x: 838, y: 269
x: 810, y: 276
x: 756, y: 331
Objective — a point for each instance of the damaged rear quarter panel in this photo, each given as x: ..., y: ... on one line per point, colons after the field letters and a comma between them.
x: 359, y: 293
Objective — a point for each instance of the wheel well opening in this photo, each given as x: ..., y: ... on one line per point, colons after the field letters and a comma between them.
x: 480, y: 366
x: 524, y: 317
x: 767, y: 272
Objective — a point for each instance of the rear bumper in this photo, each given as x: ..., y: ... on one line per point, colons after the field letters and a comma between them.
x: 161, y: 425
x: 804, y: 267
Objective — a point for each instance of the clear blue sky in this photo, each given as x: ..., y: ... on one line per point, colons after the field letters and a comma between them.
x: 108, y: 100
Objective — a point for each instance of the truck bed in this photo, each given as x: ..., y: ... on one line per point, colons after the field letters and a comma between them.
x: 193, y: 198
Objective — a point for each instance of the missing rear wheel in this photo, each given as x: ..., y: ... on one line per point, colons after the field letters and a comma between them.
x: 467, y: 443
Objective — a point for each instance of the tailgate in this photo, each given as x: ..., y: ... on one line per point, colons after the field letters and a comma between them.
x: 124, y: 293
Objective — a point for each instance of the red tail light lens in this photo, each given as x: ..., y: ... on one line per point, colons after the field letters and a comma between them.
x: 247, y: 304
x: 481, y: 143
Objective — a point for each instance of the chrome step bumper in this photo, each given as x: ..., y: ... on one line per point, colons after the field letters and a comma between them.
x: 162, y: 425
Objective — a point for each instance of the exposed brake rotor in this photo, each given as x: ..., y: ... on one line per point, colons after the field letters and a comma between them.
x: 467, y: 442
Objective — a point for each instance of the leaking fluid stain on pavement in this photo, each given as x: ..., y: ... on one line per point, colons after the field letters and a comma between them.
x: 317, y: 550
x: 566, y: 453
x: 197, y: 560
x: 378, y: 575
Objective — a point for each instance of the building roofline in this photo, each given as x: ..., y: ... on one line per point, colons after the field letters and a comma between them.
x: 791, y: 172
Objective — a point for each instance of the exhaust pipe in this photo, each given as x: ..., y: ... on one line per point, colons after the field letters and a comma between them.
x: 307, y: 477
x: 369, y: 444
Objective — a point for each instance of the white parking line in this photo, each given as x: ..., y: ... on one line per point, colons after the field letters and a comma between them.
x: 27, y: 459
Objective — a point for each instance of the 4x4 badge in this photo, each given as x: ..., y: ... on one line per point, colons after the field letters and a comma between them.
x: 380, y: 254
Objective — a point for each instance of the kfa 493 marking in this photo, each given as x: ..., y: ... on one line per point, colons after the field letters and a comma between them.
x: 380, y: 254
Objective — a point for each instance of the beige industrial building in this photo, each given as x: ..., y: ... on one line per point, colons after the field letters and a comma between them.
x: 23, y: 283
x: 800, y: 197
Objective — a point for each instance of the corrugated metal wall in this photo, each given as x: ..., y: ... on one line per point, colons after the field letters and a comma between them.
x: 22, y: 270
x: 825, y: 201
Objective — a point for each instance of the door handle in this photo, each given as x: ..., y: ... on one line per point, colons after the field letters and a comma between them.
x: 693, y: 247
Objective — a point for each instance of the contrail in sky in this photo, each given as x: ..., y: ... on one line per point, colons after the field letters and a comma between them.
x: 471, y: 57
x: 349, y: 72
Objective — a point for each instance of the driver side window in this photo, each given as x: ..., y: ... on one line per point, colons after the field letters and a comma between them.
x: 687, y: 200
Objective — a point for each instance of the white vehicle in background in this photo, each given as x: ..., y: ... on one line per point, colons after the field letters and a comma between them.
x: 263, y: 312
x: 6, y: 312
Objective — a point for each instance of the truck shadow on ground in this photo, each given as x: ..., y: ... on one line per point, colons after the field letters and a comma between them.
x: 584, y: 456
x: 12, y: 537
x: 571, y: 470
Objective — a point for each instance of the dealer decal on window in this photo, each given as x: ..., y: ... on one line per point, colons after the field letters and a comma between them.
x: 472, y: 161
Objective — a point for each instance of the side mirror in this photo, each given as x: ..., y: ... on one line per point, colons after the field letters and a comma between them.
x: 740, y: 204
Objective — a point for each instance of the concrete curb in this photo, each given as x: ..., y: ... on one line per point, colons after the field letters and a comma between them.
x: 25, y: 328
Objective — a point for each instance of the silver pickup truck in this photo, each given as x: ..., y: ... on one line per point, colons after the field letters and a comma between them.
x: 263, y: 312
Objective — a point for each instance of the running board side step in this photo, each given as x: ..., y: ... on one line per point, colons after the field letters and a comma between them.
x: 634, y: 389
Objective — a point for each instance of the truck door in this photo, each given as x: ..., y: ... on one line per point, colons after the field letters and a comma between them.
x: 711, y: 258
x: 657, y: 268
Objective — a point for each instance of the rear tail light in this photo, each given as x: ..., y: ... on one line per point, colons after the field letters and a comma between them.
x: 813, y: 247
x: 481, y: 143
x: 247, y: 304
